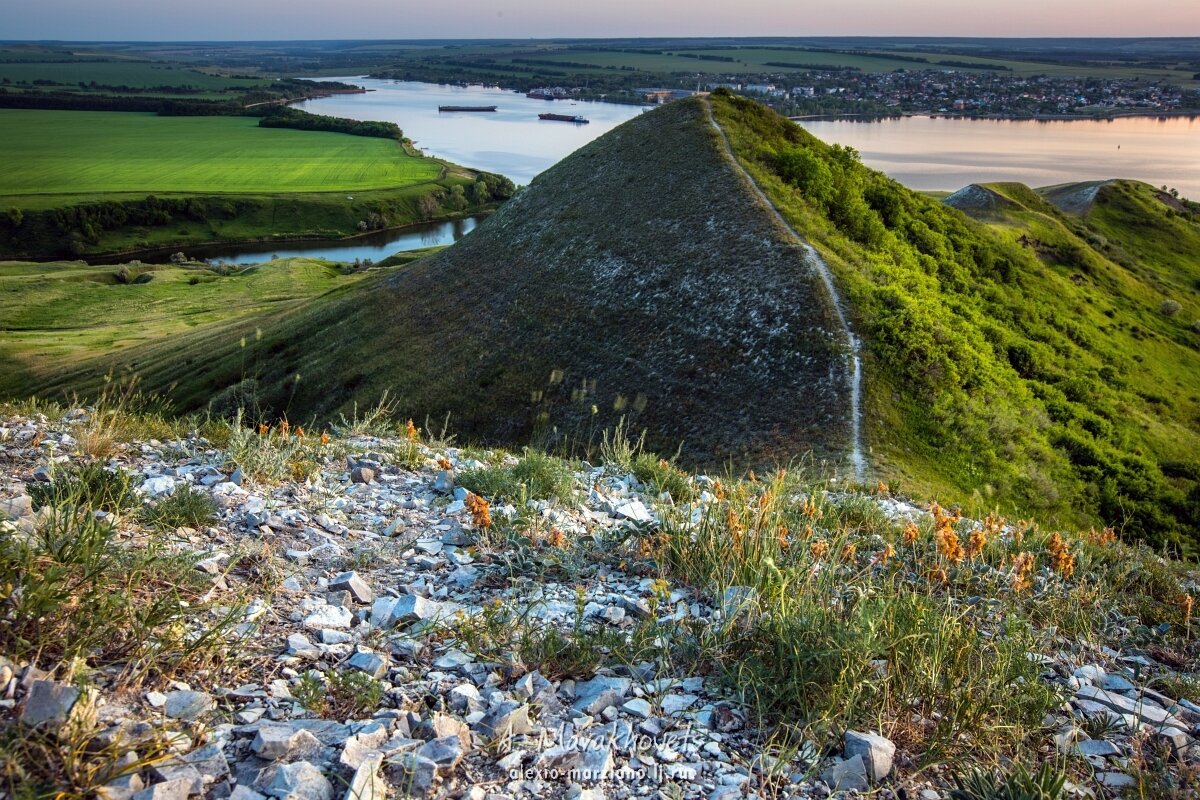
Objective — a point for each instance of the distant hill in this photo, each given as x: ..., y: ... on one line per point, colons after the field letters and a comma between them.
x: 1039, y: 362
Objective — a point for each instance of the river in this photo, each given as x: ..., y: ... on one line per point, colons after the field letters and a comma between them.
x: 950, y: 153
x: 512, y: 141
x: 375, y: 246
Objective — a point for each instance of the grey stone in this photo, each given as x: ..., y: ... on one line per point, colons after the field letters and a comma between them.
x: 444, y: 483
x: 1116, y: 683
x: 352, y: 583
x: 452, y: 660
x: 178, y: 789
x: 362, y: 475
x: 638, y: 707
x: 1147, y: 713
x: 166, y: 773
x: 465, y: 698
x: 209, y: 761
x: 1114, y: 780
x: 16, y: 507
x: 876, y: 751
x: 123, y: 788
x: 590, y: 764
x: 1097, y: 747
x: 327, y: 616
x: 241, y: 792
x: 413, y: 775
x: 299, y: 781
x: 362, y: 746
x: 188, y: 705
x: 409, y: 608
x: 367, y: 784
x: 284, y: 743
x: 847, y: 776
x: 447, y: 752
x: 1178, y: 739
x: 54, y: 704
x: 373, y: 664
x: 504, y: 720
x: 592, y: 697
x: 301, y: 647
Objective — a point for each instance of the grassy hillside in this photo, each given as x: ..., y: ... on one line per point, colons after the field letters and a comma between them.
x: 1035, y: 364
x: 1041, y: 363
x: 567, y: 311
x: 61, y: 317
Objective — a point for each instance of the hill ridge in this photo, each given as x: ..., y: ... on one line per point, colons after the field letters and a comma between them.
x: 856, y: 457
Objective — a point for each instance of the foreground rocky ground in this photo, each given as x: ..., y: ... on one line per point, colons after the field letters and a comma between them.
x: 386, y: 633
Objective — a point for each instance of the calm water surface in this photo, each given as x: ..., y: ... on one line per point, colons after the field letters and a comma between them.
x: 375, y: 246
x: 512, y: 141
x: 939, y: 153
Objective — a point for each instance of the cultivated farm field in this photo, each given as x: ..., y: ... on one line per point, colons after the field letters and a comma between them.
x: 54, y: 154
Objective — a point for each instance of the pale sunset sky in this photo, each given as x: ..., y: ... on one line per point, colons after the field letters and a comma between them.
x: 406, y: 19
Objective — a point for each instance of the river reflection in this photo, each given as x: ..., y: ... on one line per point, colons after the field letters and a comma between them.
x: 947, y: 153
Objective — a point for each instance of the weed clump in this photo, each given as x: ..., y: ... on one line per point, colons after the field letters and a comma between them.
x: 74, y: 589
x: 535, y: 476
x: 185, y: 507
x: 338, y: 694
x: 91, y: 486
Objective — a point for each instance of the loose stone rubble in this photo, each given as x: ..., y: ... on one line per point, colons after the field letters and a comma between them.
x: 376, y: 558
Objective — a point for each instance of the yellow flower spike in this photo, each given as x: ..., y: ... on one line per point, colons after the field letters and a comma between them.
x: 976, y: 543
x: 911, y: 533
x: 411, y: 432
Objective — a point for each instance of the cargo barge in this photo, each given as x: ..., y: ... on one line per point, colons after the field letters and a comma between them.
x: 578, y: 120
x: 466, y: 108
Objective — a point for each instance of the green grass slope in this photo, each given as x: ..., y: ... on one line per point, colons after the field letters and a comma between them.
x: 635, y: 279
x: 59, y: 318
x: 1040, y: 363
x: 1033, y: 363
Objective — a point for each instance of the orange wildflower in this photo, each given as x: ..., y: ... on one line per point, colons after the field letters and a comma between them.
x: 1022, y: 567
x: 883, y: 556
x: 819, y: 548
x: 1061, y: 559
x: 481, y: 513
x: 410, y: 431
x: 948, y: 544
x: 975, y: 543
x: 911, y: 533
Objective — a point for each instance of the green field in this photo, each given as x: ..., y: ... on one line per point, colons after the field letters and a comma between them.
x: 134, y: 74
x: 51, y: 154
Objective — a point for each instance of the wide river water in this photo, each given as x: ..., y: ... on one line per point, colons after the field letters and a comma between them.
x: 948, y: 153
x: 512, y: 141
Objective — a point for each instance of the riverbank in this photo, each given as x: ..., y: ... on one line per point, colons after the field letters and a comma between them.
x: 216, y: 251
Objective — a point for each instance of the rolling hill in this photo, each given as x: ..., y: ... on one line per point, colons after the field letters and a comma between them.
x: 1036, y: 360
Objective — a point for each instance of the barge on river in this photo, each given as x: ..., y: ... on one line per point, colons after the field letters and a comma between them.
x: 466, y: 108
x: 578, y: 120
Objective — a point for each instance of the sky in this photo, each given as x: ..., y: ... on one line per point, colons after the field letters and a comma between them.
x: 92, y: 20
